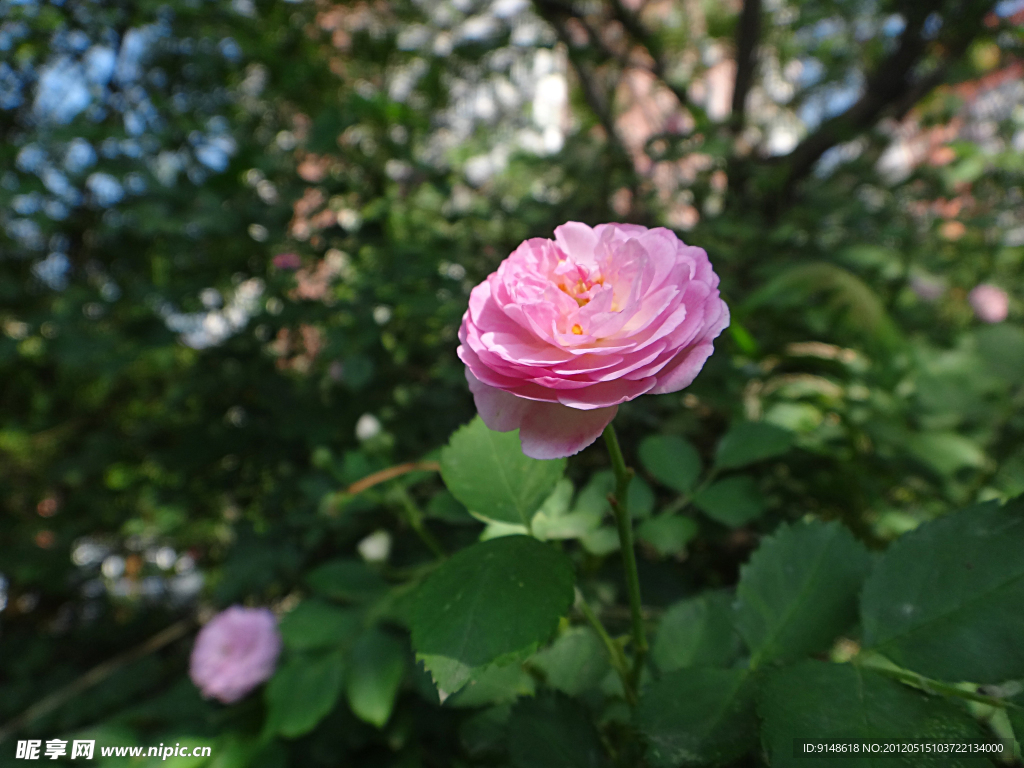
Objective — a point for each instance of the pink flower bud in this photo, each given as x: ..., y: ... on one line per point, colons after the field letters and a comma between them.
x: 236, y: 651
x: 990, y: 304
x: 567, y: 329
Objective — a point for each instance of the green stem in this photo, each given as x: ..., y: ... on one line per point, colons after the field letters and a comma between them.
x: 885, y: 667
x: 684, y: 500
x: 615, y: 654
x: 414, y: 516
x: 620, y: 506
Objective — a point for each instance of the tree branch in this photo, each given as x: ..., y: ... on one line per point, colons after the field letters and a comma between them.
x: 890, y: 89
x: 888, y: 84
x: 555, y: 14
x: 631, y: 22
x: 97, y: 674
x: 748, y: 32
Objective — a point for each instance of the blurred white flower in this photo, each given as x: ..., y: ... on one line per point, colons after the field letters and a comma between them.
x: 376, y: 547
x: 367, y: 427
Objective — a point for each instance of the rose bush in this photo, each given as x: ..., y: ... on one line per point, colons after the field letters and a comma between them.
x: 236, y: 651
x: 566, y: 330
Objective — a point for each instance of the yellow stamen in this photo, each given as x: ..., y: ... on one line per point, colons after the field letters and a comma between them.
x: 577, y: 330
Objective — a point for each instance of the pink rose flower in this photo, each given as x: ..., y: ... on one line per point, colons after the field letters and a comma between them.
x: 990, y: 304
x: 565, y: 330
x: 236, y: 651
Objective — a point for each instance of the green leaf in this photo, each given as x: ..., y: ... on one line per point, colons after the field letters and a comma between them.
x: 852, y: 300
x: 1015, y: 715
x: 491, y: 601
x: 234, y: 751
x: 641, y: 498
x: 574, y: 525
x: 494, y: 685
x: 698, y: 717
x: 575, y: 662
x: 346, y: 579
x: 302, y: 692
x: 734, y: 501
x: 594, y: 496
x: 497, y: 530
x: 821, y: 702
x: 552, y: 731
x: 554, y: 520
x: 376, y: 668
x: 668, y: 534
x: 560, y: 500
x: 945, y: 599
x: 603, y: 541
x: 444, y: 506
x: 799, y: 590
x: 483, y: 735
x: 488, y: 472
x: 751, y: 441
x: 671, y: 460
x: 1001, y: 346
x: 697, y: 632
x: 946, y: 452
x: 316, y: 623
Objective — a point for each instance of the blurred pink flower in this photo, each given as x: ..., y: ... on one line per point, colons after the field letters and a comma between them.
x: 287, y: 261
x: 990, y: 304
x: 565, y: 330
x: 236, y: 651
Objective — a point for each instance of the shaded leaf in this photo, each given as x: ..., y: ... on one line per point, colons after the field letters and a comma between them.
x: 302, y: 692
x: 316, y: 623
x: 494, y: 685
x: 490, y: 601
x: 751, y: 441
x: 734, y: 501
x: 603, y: 541
x: 945, y: 599
x: 444, y: 506
x: 376, y: 668
x: 484, y: 734
x: 946, y: 452
x: 851, y: 298
x: 698, y: 717
x: 822, y: 702
x: 697, y: 632
x: 668, y: 534
x: 1001, y: 346
x: 552, y: 731
x: 641, y: 498
x: 799, y: 590
x: 346, y: 579
x: 671, y: 460
x: 575, y: 662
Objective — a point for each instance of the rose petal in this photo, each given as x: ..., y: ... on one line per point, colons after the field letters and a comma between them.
x: 551, y: 431
x: 500, y: 411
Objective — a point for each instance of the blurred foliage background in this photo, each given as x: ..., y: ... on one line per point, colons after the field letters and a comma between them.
x: 237, y: 240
